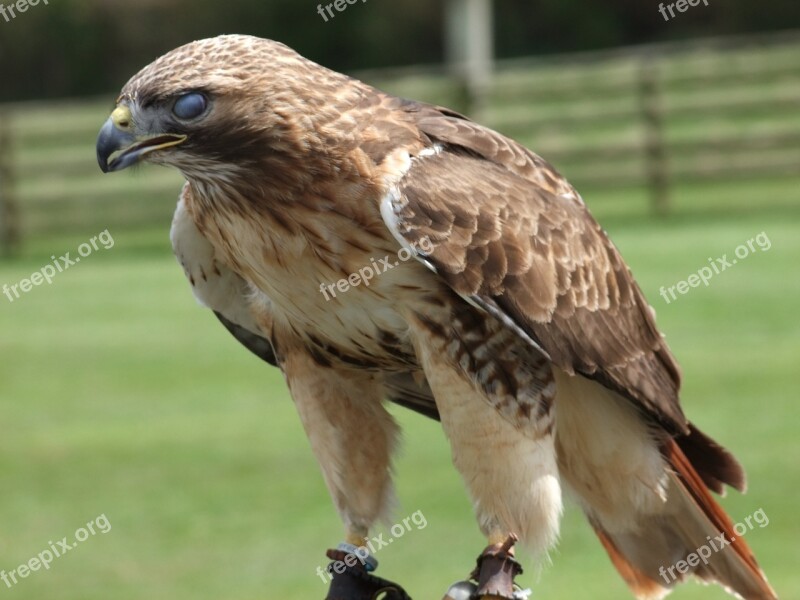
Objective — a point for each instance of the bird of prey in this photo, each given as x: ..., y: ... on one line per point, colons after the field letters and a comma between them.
x: 514, y: 321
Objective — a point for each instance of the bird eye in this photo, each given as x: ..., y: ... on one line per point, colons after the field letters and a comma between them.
x: 190, y: 106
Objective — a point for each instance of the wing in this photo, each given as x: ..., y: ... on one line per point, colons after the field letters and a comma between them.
x: 257, y: 344
x: 513, y: 237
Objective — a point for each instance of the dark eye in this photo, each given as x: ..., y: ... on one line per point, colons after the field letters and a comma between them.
x: 190, y: 106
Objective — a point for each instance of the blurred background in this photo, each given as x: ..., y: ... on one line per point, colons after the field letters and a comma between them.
x: 120, y: 396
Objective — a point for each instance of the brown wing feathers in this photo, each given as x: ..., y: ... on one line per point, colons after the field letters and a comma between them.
x: 543, y: 260
x: 511, y: 233
x: 508, y: 228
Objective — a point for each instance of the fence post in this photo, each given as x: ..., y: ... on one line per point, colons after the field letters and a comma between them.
x: 656, y: 160
x: 470, y: 50
x: 9, y: 225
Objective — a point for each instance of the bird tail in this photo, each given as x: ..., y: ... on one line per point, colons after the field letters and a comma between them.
x: 692, y: 535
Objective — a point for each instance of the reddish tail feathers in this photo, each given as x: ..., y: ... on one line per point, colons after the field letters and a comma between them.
x: 692, y: 524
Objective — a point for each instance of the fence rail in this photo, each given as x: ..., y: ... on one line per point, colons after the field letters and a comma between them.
x: 651, y: 116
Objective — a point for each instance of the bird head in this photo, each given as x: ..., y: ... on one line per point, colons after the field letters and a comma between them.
x: 220, y: 105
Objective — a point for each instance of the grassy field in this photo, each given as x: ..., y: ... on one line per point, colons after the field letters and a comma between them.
x: 120, y: 396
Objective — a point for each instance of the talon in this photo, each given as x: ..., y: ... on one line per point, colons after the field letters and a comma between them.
x: 496, y: 570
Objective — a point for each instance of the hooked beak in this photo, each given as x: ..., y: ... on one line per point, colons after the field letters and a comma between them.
x: 118, y: 148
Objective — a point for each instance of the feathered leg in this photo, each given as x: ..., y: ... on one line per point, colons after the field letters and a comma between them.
x: 494, y: 396
x: 353, y: 437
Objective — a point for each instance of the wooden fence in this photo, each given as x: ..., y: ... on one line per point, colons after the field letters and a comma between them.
x: 650, y: 116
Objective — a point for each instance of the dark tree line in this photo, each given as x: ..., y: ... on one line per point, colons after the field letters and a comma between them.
x: 84, y: 47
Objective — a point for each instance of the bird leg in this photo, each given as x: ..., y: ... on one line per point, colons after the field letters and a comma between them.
x: 496, y: 570
x: 352, y: 578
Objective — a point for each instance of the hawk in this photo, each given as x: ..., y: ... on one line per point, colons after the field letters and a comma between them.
x: 516, y: 322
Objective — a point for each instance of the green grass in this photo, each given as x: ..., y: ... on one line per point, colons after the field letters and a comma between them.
x: 121, y: 396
